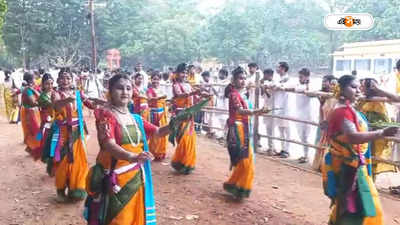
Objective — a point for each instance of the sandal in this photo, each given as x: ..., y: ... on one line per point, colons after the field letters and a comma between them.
x: 303, y: 160
x: 395, y: 190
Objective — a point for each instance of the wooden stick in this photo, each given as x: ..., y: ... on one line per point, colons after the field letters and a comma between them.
x: 292, y: 141
x: 390, y: 162
x: 204, y: 125
x: 214, y: 111
x: 377, y: 159
x: 291, y: 119
x: 219, y: 110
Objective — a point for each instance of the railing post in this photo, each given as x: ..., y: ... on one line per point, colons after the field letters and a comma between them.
x: 256, y: 106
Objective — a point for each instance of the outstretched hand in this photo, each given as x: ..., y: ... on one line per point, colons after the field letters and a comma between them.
x: 390, y: 131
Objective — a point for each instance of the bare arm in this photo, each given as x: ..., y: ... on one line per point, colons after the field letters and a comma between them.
x: 393, y: 97
x: 60, y: 103
x: 119, y: 153
x: 162, y: 131
x: 249, y: 112
x: 364, y: 137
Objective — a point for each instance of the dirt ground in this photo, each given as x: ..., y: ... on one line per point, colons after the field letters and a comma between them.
x: 282, y: 195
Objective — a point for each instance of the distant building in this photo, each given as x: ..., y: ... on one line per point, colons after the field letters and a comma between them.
x: 369, y: 59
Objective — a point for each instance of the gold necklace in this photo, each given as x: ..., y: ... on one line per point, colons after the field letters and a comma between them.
x: 118, y: 110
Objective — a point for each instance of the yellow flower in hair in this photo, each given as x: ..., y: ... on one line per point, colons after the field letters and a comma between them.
x: 108, y: 96
x: 336, y: 91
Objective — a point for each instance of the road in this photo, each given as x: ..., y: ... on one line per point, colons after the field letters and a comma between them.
x: 282, y: 195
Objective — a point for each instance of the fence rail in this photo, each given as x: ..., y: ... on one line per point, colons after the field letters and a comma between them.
x: 310, y: 94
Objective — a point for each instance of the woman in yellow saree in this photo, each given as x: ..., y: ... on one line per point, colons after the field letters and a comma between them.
x: 377, y: 112
x: 11, y: 99
x: 240, y: 137
x: 120, y: 184
x: 347, y: 168
x: 140, y: 104
x: 30, y: 116
x: 67, y: 150
x: 158, y: 116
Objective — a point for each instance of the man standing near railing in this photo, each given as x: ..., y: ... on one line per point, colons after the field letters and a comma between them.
x: 281, y: 102
x: 222, y: 103
x: 268, y: 81
x: 303, y: 110
x: 251, y: 81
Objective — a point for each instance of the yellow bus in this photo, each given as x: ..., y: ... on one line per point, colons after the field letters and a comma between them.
x: 369, y: 59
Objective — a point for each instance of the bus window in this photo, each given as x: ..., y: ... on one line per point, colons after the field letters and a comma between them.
x: 382, y: 66
x: 343, y: 65
x: 362, y: 64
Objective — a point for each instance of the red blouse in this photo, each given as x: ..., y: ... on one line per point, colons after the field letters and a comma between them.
x: 108, y: 126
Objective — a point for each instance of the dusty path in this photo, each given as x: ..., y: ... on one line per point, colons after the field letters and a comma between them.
x: 281, y: 195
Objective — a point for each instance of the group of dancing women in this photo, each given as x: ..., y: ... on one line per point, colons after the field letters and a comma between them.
x: 132, y: 127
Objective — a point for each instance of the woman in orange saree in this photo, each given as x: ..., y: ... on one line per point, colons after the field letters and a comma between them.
x: 347, y: 175
x: 327, y: 105
x: 30, y: 116
x: 158, y: 116
x: 67, y: 150
x: 120, y: 184
x: 240, y: 137
x: 184, y: 158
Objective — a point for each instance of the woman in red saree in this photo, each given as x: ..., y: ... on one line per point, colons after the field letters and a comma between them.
x: 347, y: 174
x: 240, y: 137
x: 120, y: 184
x: 30, y: 116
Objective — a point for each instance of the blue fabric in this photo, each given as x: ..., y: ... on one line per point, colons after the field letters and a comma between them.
x: 331, y: 184
x: 80, y: 114
x: 331, y: 188
x: 251, y: 135
x: 131, y: 107
x: 157, y: 110
x: 54, y: 139
x: 39, y: 135
x: 150, y: 203
x: 29, y: 92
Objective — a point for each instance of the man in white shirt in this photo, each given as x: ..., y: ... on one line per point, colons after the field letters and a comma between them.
x: 139, y: 69
x: 281, y: 102
x: 93, y: 87
x: 166, y: 84
x: 222, y: 103
x: 209, y: 117
x: 268, y: 82
x: 303, y: 110
x: 251, y: 81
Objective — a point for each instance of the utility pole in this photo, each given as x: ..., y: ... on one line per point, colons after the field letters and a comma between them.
x: 93, y: 34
